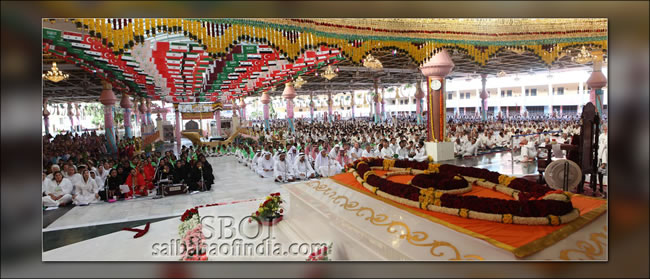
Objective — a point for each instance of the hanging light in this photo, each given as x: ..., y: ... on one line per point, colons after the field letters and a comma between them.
x: 297, y: 84
x: 501, y: 74
x: 329, y: 74
x: 584, y: 56
x: 54, y: 75
x: 372, y: 63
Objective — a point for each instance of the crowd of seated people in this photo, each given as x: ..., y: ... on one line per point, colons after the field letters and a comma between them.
x: 78, y: 169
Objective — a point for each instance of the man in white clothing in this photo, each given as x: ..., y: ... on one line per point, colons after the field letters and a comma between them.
x: 403, y: 152
x: 302, y: 169
x: 528, y: 151
x: 325, y: 166
x: 282, y: 169
x: 368, y: 152
x: 470, y: 149
x: 265, y: 166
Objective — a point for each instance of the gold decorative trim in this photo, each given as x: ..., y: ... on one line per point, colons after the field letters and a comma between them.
x: 520, y: 252
x: 416, y: 238
x: 586, y: 248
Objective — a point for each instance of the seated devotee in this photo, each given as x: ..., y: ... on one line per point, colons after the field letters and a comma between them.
x: 471, y: 149
x: 369, y: 152
x: 282, y: 169
x: 86, y: 191
x: 265, y: 165
x: 302, y: 169
x: 199, y: 179
x: 386, y: 152
x: 54, y: 168
x: 113, y: 182
x: 355, y: 152
x: 326, y: 166
x: 421, y: 153
x: 528, y: 151
x: 58, y: 192
x: 136, y: 182
x: 403, y: 151
x: 179, y: 174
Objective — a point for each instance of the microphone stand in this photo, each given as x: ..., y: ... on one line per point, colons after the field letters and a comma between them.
x: 162, y: 194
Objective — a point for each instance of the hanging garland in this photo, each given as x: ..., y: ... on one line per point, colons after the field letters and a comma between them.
x: 480, y: 39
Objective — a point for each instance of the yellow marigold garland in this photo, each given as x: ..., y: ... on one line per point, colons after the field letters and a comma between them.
x: 463, y: 212
x: 506, y: 219
x: 553, y: 220
x: 505, y: 179
x: 388, y: 164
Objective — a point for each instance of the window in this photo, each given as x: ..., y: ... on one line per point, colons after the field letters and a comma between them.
x: 533, y: 92
x: 560, y: 91
x: 509, y: 93
x: 503, y: 93
x: 449, y: 96
x: 466, y: 95
x: 527, y: 92
x: 462, y: 95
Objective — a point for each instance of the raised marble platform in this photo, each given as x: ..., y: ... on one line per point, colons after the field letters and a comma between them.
x: 318, y: 212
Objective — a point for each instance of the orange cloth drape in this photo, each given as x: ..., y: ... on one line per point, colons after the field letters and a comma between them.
x: 509, y: 234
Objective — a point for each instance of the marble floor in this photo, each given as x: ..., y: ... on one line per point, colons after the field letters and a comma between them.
x: 233, y: 182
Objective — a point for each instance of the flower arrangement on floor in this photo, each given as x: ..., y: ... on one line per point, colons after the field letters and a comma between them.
x: 436, y: 187
x: 270, y: 211
x: 321, y: 255
x: 191, y: 232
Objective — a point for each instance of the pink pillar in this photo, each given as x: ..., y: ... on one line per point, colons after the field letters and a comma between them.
x: 217, y: 118
x: 265, y: 102
x: 126, y: 104
x: 108, y: 99
x: 178, y: 128
x: 46, y: 117
x: 329, y: 107
x: 596, y: 82
x: 71, y: 117
x: 148, y: 119
x: 143, y: 110
x: 78, y: 115
x: 164, y: 111
x: 242, y: 105
x: 289, y: 93
x: 419, y: 94
x: 484, y: 96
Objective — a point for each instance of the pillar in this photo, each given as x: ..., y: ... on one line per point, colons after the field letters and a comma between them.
x: 143, y: 109
x: 436, y: 70
x: 126, y: 104
x: 265, y: 102
x: 581, y: 88
x: 497, y: 107
x: 484, y: 96
x: 242, y: 106
x: 522, y: 97
x: 46, y: 117
x: 550, y: 97
x: 330, y: 103
x: 382, y: 116
x: 108, y: 99
x: 419, y: 94
x: 149, y: 121
x: 288, y: 94
x: 217, y: 118
x: 164, y: 111
x: 71, y: 116
x: 78, y: 116
x: 352, y: 103
x: 376, y: 100
x: 136, y: 110
x: 311, y: 106
x: 177, y: 132
x: 596, y: 82
x: 457, y: 102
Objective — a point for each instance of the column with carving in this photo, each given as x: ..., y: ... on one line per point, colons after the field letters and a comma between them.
x: 46, y: 117
x: 265, y: 107
x: 126, y: 104
x: 108, y: 99
x: 484, y: 96
x: 289, y: 94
